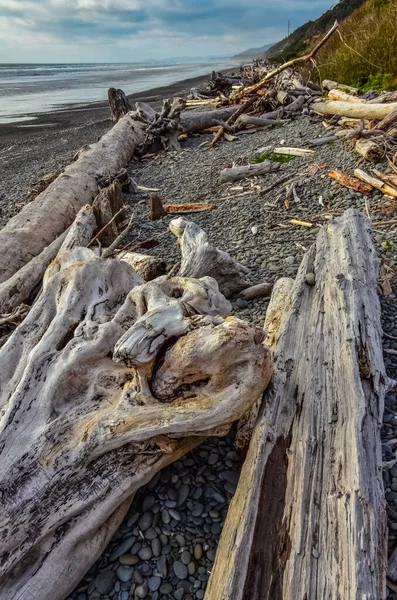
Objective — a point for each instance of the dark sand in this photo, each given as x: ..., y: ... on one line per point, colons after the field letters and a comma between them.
x: 29, y: 150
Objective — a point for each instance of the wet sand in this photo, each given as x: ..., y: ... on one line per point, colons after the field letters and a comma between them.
x: 30, y: 149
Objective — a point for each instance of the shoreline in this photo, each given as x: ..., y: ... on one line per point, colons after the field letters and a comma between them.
x: 64, y: 116
x: 28, y: 151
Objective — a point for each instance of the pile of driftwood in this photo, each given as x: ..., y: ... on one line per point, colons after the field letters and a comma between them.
x: 110, y: 369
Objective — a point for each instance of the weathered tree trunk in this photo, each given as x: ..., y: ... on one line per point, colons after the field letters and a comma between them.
x: 308, y: 518
x: 82, y: 429
x: 40, y: 222
x: 119, y: 104
x: 236, y: 173
x: 357, y: 110
x: 336, y: 94
x: 369, y: 150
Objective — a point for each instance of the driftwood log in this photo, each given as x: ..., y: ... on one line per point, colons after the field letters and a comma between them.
x: 81, y: 429
x: 356, y: 110
x: 308, y: 518
x: 237, y: 173
x: 44, y: 219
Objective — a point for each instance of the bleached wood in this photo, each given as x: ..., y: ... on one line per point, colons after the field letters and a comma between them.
x: 369, y: 150
x: 308, y: 518
x: 148, y: 267
x: 200, y: 258
x: 357, y: 110
x: 44, y: 219
x: 237, y: 173
x: 376, y: 183
x: 336, y: 94
x: 81, y: 429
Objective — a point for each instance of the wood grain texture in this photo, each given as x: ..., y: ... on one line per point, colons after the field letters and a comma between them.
x: 308, y: 518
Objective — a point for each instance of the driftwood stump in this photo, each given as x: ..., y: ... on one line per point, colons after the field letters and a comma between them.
x: 308, y: 519
x: 105, y: 382
x: 119, y: 104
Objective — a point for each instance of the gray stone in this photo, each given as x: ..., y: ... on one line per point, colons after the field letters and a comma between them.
x: 124, y: 595
x: 165, y: 515
x: 138, y: 577
x: 154, y: 583
x: 198, y: 510
x: 166, y: 588
x: 122, y: 548
x: 216, y: 528
x: 310, y: 278
x: 241, y: 303
x: 141, y: 590
x: 289, y: 261
x: 183, y: 494
x: 180, y: 569
x: 124, y: 573
x: 186, y: 557
x: 145, y: 553
x: 150, y: 534
x: 156, y: 547
x: 170, y: 503
x: 104, y: 582
x: 213, y: 458
x: 191, y: 568
x: 175, y: 514
x: 219, y: 498
x: 161, y: 566
x: 200, y: 594
x: 178, y: 594
x: 145, y: 521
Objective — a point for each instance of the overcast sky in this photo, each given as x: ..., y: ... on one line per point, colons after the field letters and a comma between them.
x: 135, y: 30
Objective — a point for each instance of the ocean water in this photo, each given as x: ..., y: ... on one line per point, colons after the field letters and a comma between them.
x: 27, y: 89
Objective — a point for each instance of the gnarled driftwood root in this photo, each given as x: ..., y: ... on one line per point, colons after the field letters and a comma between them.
x: 105, y: 382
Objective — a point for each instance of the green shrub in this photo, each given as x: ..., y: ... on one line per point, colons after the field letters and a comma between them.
x: 366, y: 56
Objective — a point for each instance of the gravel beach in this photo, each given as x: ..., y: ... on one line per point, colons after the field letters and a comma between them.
x: 166, y: 545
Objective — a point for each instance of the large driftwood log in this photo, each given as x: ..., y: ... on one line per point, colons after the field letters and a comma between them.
x: 200, y: 258
x: 81, y: 429
x: 20, y: 286
x: 40, y: 222
x: 308, y: 518
x: 357, y: 110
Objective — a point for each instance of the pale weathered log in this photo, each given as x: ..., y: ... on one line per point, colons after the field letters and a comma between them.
x: 308, y: 518
x: 236, y: 173
x: 327, y: 84
x: 197, y: 121
x: 388, y: 122
x: 148, y: 267
x: 357, y: 110
x: 336, y: 94
x: 369, y: 150
x: 200, y: 258
x: 257, y: 291
x: 19, y: 286
x: 40, y: 222
x: 81, y: 429
x: 119, y: 104
x: 376, y: 183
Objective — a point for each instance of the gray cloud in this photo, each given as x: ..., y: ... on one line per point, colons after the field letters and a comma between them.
x: 220, y: 26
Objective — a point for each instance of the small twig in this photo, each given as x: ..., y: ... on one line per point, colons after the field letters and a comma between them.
x: 106, y: 226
